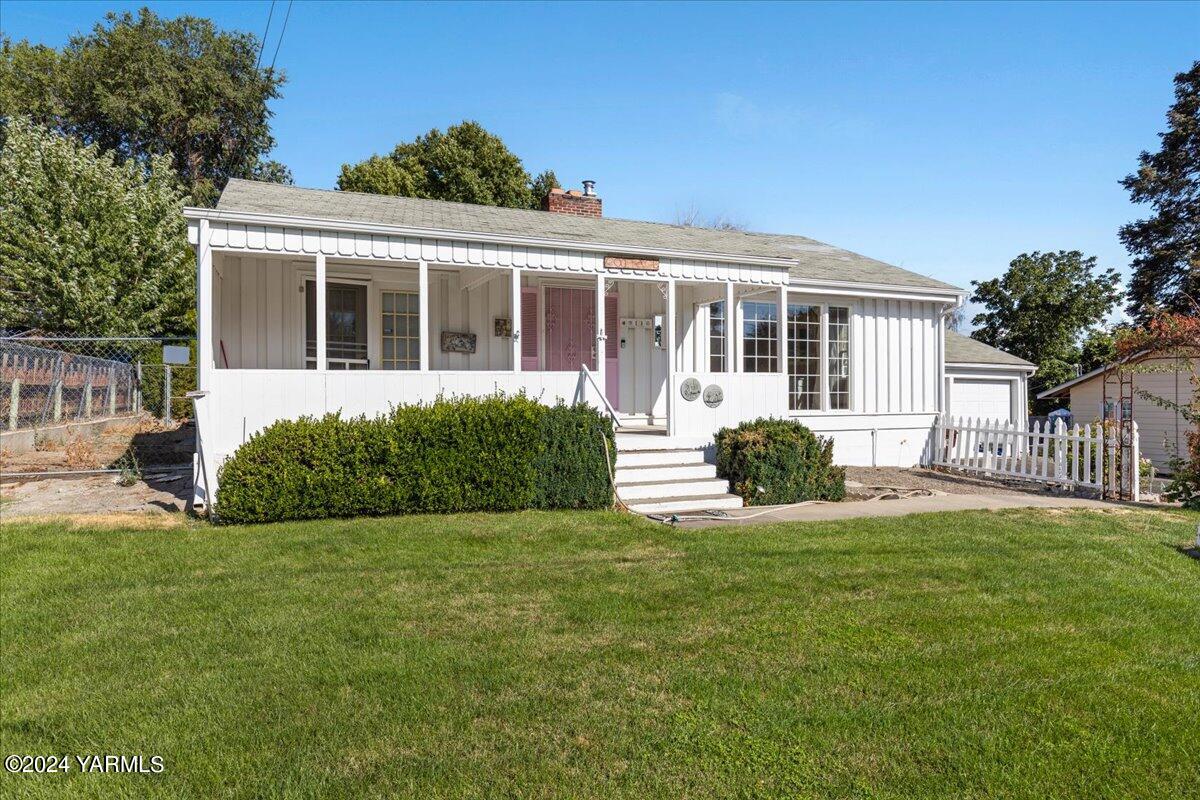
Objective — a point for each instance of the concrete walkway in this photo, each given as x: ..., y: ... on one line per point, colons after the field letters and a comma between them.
x: 891, y: 508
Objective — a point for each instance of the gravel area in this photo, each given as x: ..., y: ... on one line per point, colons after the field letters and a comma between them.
x: 860, y: 479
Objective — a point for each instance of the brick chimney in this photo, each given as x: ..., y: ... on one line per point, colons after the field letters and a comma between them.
x: 574, y: 202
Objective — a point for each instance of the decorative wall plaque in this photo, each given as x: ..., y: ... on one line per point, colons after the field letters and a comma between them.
x: 458, y: 342
x: 690, y: 389
x: 713, y: 395
x: 503, y: 326
x: 631, y: 262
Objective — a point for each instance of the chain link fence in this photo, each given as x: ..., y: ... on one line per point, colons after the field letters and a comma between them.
x: 79, y: 405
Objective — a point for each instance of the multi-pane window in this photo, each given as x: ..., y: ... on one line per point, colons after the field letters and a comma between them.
x: 401, y: 331
x: 760, y: 337
x: 716, y: 336
x: 839, y: 358
x: 804, y: 357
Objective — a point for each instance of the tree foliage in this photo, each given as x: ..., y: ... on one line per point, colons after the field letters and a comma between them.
x: 89, y: 246
x: 142, y: 86
x: 1041, y: 307
x: 1166, y: 246
x: 466, y: 164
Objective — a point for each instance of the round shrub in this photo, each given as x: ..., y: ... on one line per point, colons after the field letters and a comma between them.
x: 776, y: 461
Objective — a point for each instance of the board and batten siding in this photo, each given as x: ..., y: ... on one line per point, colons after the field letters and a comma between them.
x: 894, y: 357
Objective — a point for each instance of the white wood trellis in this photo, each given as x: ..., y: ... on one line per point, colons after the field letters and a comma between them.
x: 1082, y: 457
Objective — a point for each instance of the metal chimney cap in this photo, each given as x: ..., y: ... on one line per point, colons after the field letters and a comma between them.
x: 589, y: 188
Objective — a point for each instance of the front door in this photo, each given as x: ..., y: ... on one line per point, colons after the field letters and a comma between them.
x: 570, y: 329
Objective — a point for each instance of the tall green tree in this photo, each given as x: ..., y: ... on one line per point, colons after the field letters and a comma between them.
x: 466, y: 164
x: 143, y: 86
x: 90, y: 246
x: 1166, y: 246
x: 1040, y: 310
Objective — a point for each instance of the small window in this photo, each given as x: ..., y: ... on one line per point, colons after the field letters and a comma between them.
x: 760, y: 337
x: 401, y: 331
x: 716, y: 336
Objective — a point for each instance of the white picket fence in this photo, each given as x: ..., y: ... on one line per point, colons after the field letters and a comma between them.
x: 1080, y: 457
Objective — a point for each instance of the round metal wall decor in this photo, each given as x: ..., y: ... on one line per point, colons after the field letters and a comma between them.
x: 690, y: 389
x: 713, y: 396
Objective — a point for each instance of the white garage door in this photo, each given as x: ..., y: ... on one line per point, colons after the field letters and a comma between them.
x: 981, y: 399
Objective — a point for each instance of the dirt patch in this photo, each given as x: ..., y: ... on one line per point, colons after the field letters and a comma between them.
x: 144, y: 440
x: 862, y: 481
x: 96, y: 494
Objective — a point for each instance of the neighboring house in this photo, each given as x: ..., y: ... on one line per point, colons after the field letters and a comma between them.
x: 426, y: 297
x: 985, y: 383
x: 1099, y: 395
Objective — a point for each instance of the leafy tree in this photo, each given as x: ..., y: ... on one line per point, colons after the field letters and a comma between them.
x: 466, y: 164
x: 1099, y: 348
x: 89, y: 246
x: 1039, y: 309
x: 1166, y: 247
x: 144, y: 86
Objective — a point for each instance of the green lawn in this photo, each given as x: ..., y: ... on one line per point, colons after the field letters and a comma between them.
x: 1017, y: 654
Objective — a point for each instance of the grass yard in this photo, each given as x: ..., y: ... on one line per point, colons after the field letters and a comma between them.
x: 1016, y: 654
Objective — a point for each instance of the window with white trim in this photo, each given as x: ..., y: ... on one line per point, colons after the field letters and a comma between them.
x: 401, y: 330
x: 716, y: 336
x: 804, y: 357
x: 818, y: 357
x: 839, y: 358
x: 760, y: 337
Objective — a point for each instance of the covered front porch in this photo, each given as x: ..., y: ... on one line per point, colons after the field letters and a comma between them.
x: 405, y: 332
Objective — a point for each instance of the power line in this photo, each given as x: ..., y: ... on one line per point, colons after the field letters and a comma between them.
x: 263, y: 43
x: 282, y: 31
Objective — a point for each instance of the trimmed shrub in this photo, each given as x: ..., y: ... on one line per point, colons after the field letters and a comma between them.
x: 465, y: 454
x: 775, y: 461
x: 573, y: 467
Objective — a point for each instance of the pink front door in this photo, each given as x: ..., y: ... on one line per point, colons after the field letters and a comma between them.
x: 570, y: 329
x: 571, y: 334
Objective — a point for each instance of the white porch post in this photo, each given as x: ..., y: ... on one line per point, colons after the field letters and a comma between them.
x: 322, y: 355
x: 204, y: 308
x: 423, y: 314
x: 783, y: 332
x: 731, y: 329
x: 601, y: 334
x: 668, y: 335
x: 516, y: 319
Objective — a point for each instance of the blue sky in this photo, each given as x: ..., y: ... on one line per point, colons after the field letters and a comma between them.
x: 943, y: 138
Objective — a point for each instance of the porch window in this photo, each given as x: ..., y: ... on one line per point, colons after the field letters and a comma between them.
x: 345, y: 325
x: 804, y: 357
x: 839, y: 358
x: 716, y: 336
x: 401, y: 330
x: 808, y: 370
x: 760, y: 336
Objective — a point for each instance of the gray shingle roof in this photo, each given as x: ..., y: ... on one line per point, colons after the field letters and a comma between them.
x: 965, y: 350
x: 812, y: 259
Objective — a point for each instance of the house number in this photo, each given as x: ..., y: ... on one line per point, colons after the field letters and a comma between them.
x: 713, y: 396
x: 690, y: 389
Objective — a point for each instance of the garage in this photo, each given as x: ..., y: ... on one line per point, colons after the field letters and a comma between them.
x: 985, y: 383
x: 981, y: 398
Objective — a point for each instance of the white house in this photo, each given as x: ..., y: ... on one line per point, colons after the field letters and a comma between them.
x: 674, y: 331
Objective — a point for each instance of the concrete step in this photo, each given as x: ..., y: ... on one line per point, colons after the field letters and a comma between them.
x: 665, y: 473
x: 690, y: 488
x: 653, y: 458
x: 677, y: 505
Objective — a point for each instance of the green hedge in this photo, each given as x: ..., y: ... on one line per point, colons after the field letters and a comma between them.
x: 466, y: 454
x: 775, y: 461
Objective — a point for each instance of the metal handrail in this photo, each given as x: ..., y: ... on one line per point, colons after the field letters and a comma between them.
x: 585, y: 372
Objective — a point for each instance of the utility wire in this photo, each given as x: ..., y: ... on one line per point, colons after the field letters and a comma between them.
x: 282, y: 31
x: 262, y: 44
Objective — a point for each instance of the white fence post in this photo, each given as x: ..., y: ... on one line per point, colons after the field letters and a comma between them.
x: 1135, y: 466
x: 14, y: 404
